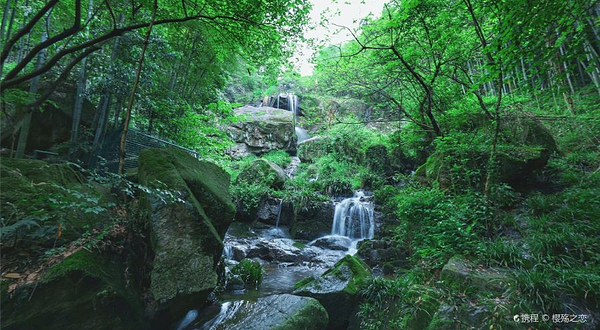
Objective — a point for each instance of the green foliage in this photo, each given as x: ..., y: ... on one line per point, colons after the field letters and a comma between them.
x: 278, y: 157
x: 249, y: 271
x: 436, y: 226
x: 249, y: 196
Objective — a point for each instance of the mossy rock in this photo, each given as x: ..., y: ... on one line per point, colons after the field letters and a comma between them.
x: 24, y: 180
x: 462, y: 273
x: 262, y: 171
x: 187, y: 235
x: 277, y: 312
x: 337, y: 289
x: 85, y: 291
x: 426, y: 300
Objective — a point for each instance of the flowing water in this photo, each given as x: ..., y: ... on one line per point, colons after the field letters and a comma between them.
x: 286, y: 261
x: 353, y: 217
x: 301, y: 134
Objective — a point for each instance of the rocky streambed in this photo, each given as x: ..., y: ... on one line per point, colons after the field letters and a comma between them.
x: 318, y: 278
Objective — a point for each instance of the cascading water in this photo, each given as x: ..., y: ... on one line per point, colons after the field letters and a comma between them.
x: 353, y: 217
x: 302, y: 134
x: 278, y: 232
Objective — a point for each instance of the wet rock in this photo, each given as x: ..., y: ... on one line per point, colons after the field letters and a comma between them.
x: 281, y: 250
x: 235, y: 283
x: 337, y: 289
x: 313, y: 221
x: 465, y: 273
x: 187, y: 233
x: 331, y: 242
x: 261, y: 130
x: 269, y: 212
x: 282, y: 312
x: 239, y: 253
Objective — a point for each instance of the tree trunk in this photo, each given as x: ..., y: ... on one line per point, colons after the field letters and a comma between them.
x: 117, y: 113
x: 24, y: 133
x: 132, y: 96
x: 4, y: 18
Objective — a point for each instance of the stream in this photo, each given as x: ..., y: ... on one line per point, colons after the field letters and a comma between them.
x: 285, y: 261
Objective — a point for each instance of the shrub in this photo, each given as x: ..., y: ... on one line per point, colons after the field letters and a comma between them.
x: 249, y: 271
x: 278, y: 157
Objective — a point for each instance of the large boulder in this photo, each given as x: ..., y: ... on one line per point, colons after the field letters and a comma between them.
x: 526, y: 146
x: 188, y: 231
x: 464, y: 273
x: 85, y: 291
x: 281, y: 312
x: 260, y: 130
x: 313, y: 221
x: 337, y: 289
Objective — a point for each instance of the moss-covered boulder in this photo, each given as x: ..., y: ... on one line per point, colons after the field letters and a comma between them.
x: 85, y: 291
x: 264, y: 172
x: 187, y: 232
x: 337, y: 289
x: 524, y: 146
x: 311, y: 149
x: 260, y: 130
x: 463, y: 273
x: 277, y: 312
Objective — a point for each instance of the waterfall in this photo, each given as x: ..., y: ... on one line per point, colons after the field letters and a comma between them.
x: 279, y: 214
x: 302, y: 134
x: 227, y: 251
x: 353, y: 217
x: 277, y: 232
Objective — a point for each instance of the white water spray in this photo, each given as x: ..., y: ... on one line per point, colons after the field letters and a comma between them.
x: 353, y: 218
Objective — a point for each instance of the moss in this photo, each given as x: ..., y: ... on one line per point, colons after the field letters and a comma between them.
x: 304, y: 282
x: 263, y: 172
x: 85, y: 291
x: 206, y: 183
x: 299, y: 245
x: 426, y: 302
x: 99, y: 267
x: 359, y: 269
x: 24, y: 180
x: 312, y: 316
